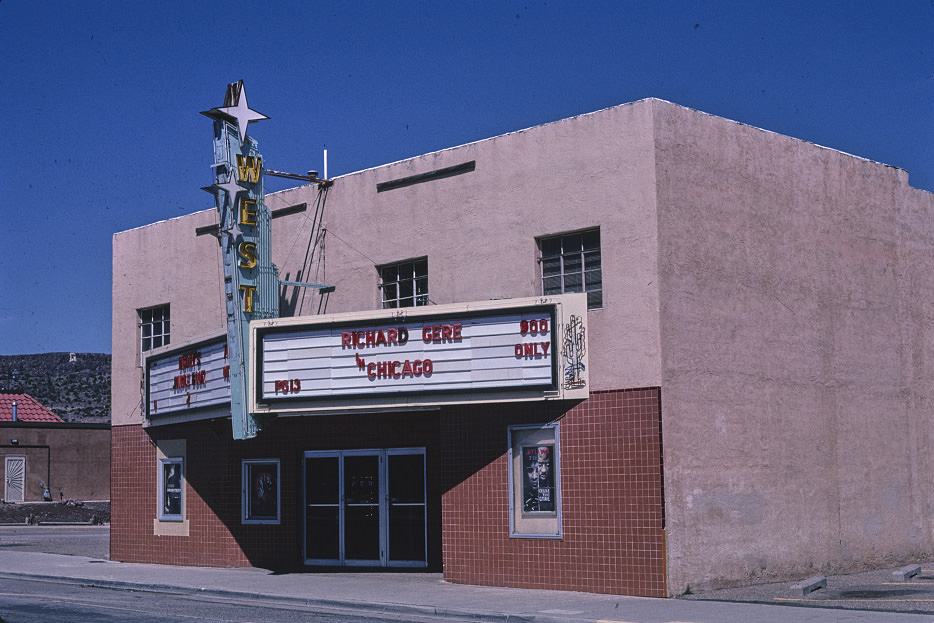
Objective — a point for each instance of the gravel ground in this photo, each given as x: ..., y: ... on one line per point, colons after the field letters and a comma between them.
x: 869, y: 590
x: 45, y: 512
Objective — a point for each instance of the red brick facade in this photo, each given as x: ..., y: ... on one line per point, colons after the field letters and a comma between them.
x: 611, y: 471
x: 613, y: 508
x: 217, y: 537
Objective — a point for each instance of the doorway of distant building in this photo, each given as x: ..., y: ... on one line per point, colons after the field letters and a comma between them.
x: 15, y: 478
x: 365, y: 508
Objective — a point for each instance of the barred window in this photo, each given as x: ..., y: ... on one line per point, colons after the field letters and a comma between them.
x: 154, y: 327
x: 571, y: 263
x: 404, y: 284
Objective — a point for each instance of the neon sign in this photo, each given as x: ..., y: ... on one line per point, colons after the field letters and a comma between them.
x: 251, y: 281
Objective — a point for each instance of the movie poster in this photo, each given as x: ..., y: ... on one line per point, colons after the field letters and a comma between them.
x: 264, y: 491
x: 172, y: 488
x: 538, y: 490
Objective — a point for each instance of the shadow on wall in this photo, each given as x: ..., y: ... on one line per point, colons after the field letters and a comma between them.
x: 610, y: 470
x: 214, y: 474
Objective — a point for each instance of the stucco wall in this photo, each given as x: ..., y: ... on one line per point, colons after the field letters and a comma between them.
x: 153, y: 265
x: 478, y: 229
x: 72, y: 460
x: 795, y: 340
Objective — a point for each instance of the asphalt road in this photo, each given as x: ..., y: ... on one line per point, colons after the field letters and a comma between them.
x: 89, y: 541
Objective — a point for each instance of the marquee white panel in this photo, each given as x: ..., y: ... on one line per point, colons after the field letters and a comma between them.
x: 187, y: 379
x: 320, y: 363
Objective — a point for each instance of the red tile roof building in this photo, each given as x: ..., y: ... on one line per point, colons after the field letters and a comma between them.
x: 28, y: 409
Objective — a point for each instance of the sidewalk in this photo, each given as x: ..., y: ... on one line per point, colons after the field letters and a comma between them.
x: 414, y: 594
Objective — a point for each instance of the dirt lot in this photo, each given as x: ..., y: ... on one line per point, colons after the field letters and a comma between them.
x: 45, y: 512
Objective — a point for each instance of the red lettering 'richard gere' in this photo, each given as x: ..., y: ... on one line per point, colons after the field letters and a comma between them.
x: 367, y: 338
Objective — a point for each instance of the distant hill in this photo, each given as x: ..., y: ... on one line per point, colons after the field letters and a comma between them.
x: 77, y: 389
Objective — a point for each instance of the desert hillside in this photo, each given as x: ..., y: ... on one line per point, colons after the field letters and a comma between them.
x: 75, y: 386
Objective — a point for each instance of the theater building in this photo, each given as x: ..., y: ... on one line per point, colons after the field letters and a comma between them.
x: 633, y: 351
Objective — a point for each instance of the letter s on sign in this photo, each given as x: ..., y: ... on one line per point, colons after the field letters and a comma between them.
x: 247, y: 252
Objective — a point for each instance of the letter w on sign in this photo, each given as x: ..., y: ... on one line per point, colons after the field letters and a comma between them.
x: 248, y: 168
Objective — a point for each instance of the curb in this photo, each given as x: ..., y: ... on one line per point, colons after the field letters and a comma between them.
x: 808, y: 586
x: 326, y: 604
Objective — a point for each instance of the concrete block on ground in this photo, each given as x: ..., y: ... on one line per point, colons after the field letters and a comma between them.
x: 808, y: 586
x: 903, y: 574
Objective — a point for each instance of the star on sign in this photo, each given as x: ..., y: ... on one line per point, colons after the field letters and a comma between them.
x: 242, y: 113
x: 231, y: 187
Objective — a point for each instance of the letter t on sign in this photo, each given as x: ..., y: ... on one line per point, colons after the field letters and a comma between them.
x: 248, y: 292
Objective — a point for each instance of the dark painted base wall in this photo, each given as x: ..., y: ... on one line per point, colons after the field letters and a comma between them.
x: 611, y: 470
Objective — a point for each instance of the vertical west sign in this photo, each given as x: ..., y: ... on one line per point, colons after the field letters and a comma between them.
x: 250, y: 279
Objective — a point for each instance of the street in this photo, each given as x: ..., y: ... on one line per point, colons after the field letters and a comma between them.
x: 90, y: 541
x: 62, y: 573
x: 23, y: 601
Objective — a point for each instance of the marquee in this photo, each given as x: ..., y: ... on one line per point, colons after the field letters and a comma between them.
x: 519, y: 349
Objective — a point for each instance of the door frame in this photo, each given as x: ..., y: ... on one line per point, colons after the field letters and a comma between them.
x: 384, y: 502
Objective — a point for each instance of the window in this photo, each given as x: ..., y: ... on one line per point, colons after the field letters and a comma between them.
x: 170, y: 489
x: 404, y: 284
x: 154, y: 327
x: 571, y: 263
x: 261, y: 491
x: 534, y: 482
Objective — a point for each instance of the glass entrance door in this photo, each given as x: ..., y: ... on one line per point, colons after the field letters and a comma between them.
x: 362, y: 508
x: 322, y: 509
x: 365, y: 507
x: 406, y: 502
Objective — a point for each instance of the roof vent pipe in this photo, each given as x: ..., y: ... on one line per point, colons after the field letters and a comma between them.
x: 14, y: 411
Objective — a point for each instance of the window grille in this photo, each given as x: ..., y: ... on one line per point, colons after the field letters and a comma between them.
x: 404, y: 284
x: 154, y: 327
x: 571, y: 263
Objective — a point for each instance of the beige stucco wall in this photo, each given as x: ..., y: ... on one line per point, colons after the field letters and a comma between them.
x: 478, y: 230
x: 153, y: 265
x: 795, y: 339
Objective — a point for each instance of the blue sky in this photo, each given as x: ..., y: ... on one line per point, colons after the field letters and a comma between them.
x: 101, y: 133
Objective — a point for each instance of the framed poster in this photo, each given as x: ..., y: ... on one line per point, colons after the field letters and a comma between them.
x: 534, y: 481
x: 170, y: 489
x: 260, y: 494
x: 538, y: 483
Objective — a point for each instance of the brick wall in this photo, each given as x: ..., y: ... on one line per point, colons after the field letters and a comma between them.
x: 213, y: 480
x: 611, y: 477
x: 612, y: 498
x: 133, y: 504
